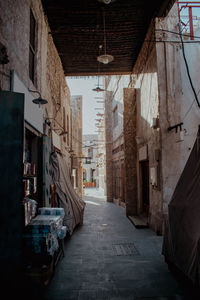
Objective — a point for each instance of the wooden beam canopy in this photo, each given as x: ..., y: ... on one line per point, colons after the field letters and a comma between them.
x: 77, y: 30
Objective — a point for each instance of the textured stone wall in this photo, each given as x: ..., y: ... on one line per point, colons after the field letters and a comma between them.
x: 108, y: 139
x: 115, y: 138
x: 49, y: 75
x: 145, y: 76
x: 130, y: 151
x: 101, y: 156
x: 76, y: 103
x: 177, y: 103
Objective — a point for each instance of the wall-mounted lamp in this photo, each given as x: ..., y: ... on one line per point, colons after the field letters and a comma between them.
x: 48, y: 122
x: 63, y: 132
x: 39, y: 100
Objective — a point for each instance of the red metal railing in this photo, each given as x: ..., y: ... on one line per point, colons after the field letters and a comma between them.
x: 190, y: 6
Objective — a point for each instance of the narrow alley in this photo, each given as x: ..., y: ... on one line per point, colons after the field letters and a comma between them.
x: 99, y: 149
x: 107, y: 258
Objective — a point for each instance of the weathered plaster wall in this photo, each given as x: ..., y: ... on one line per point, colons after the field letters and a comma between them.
x: 146, y: 81
x: 130, y: 151
x: 76, y: 103
x: 176, y: 103
x: 114, y: 98
x: 14, y: 34
x: 101, y: 156
x: 49, y: 76
x: 108, y: 139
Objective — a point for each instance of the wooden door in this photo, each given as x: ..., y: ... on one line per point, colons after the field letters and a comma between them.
x: 122, y: 182
x: 145, y: 186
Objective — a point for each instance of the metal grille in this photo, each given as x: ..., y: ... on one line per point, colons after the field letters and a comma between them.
x: 125, y: 249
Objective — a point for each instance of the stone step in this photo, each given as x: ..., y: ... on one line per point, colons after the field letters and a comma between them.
x: 139, y: 221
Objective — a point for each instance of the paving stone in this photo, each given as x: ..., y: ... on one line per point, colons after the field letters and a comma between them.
x: 108, y: 259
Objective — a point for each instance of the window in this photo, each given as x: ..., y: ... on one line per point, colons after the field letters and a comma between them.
x: 115, y: 116
x: 32, y: 47
x: 90, y: 152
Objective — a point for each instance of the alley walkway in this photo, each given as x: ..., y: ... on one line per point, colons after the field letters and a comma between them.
x: 107, y: 258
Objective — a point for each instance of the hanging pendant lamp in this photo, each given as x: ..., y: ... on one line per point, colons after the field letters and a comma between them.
x: 98, y: 88
x: 106, y: 1
x: 105, y: 58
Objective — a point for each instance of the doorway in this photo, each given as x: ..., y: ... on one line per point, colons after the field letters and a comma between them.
x: 145, y: 186
x: 122, y: 190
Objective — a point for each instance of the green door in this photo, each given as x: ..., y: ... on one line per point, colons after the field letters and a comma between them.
x: 11, y: 189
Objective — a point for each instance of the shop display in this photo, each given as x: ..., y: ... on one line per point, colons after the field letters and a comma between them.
x: 56, y: 211
x: 40, y: 243
x: 43, y: 232
x: 29, y: 168
x: 26, y: 184
x: 33, y: 185
x: 29, y: 179
x: 30, y: 207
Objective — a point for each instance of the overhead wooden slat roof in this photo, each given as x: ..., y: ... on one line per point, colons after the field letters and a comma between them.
x: 77, y: 29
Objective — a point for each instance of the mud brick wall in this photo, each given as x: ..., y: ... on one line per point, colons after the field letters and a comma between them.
x: 130, y: 151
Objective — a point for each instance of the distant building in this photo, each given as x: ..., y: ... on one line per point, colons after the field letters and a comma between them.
x: 151, y: 123
x: 31, y: 69
x: 90, y: 147
x: 114, y: 138
x: 76, y: 143
x: 101, y: 153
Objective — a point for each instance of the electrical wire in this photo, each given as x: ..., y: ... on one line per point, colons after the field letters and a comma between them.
x: 187, y: 112
x: 187, y: 67
x: 171, y: 41
x: 177, y: 33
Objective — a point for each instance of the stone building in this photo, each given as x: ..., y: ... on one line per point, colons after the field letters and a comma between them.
x: 160, y: 122
x: 34, y: 69
x: 30, y: 68
x: 115, y: 165
x: 166, y: 123
x: 90, y: 175
x: 101, y: 153
x: 76, y: 143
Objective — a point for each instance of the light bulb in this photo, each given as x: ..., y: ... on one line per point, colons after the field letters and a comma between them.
x: 105, y: 60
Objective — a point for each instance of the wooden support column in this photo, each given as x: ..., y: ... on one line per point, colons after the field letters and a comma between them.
x: 130, y: 150
x: 108, y: 137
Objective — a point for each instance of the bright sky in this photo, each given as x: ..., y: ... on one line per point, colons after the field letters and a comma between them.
x: 83, y: 86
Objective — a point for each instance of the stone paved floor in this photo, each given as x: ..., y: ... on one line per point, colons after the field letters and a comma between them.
x: 107, y: 258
